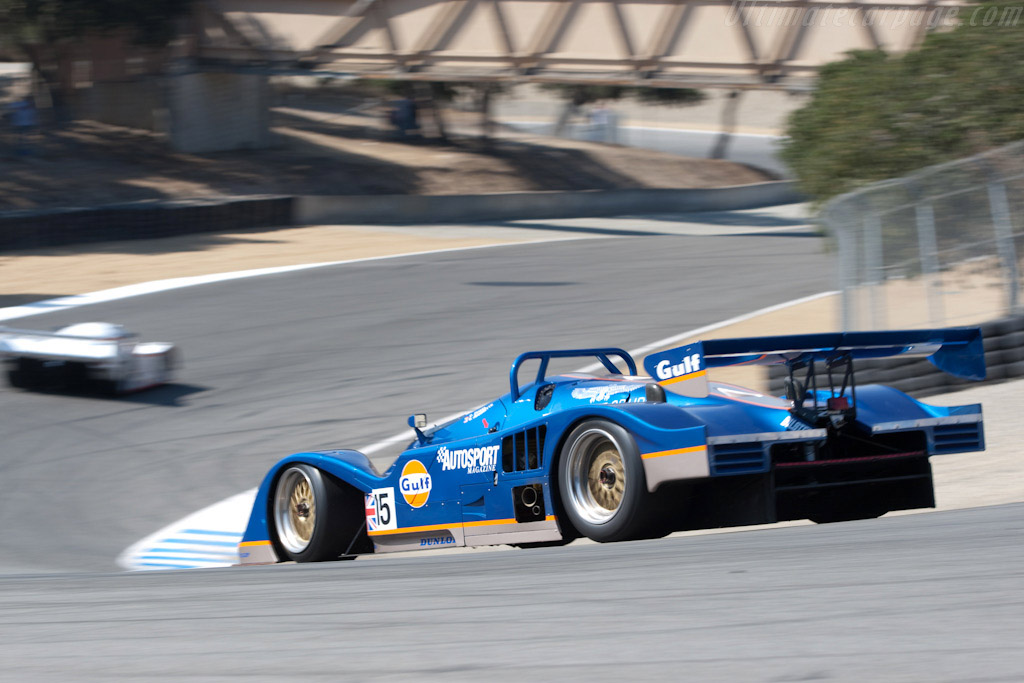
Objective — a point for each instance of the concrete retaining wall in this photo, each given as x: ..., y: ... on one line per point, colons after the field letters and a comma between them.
x: 145, y: 220
x: 1004, y: 359
x: 509, y: 206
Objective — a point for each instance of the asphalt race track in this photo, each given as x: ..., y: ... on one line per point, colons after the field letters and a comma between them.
x: 338, y: 357
x: 931, y: 597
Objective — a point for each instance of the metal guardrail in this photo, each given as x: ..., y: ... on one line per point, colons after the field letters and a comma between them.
x: 945, y: 227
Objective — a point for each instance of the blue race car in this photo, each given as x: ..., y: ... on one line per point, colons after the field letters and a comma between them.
x: 622, y: 456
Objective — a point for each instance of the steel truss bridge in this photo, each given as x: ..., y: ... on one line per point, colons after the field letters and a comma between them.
x: 660, y: 43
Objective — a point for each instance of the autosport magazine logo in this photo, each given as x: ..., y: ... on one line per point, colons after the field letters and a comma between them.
x: 473, y: 460
x: 759, y: 13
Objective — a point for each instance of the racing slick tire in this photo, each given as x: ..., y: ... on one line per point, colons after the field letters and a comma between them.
x: 601, y: 483
x: 311, y: 515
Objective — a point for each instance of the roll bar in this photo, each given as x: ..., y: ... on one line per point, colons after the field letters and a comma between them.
x: 545, y: 356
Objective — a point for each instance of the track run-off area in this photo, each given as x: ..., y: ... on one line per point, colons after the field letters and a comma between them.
x: 337, y: 356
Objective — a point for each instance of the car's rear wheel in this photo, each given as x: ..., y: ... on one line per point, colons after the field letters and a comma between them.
x: 309, y: 515
x: 602, y: 484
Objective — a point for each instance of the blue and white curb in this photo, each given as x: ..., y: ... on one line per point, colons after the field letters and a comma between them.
x: 203, y: 540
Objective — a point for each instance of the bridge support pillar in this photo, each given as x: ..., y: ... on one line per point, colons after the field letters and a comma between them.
x: 212, y: 112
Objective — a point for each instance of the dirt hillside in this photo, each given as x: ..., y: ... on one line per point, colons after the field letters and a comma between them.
x: 323, y: 148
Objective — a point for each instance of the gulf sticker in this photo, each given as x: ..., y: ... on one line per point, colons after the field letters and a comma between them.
x: 415, y: 484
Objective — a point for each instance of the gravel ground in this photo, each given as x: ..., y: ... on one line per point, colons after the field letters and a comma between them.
x: 997, y: 475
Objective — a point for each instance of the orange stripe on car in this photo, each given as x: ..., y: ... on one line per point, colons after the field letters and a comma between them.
x: 445, y: 527
x: 681, y: 378
x: 676, y: 451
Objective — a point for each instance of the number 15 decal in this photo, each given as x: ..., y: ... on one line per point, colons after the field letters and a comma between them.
x: 380, y: 510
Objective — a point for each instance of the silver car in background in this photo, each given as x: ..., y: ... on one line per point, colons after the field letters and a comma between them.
x: 86, y: 356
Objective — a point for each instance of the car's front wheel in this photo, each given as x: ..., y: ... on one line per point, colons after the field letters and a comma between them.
x: 602, y: 484
x: 309, y: 515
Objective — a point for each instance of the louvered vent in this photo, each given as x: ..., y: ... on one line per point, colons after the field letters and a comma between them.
x: 738, y: 458
x: 523, y: 450
x: 958, y: 437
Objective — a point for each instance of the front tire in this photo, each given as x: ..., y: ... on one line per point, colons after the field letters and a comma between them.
x: 308, y: 515
x: 602, y: 484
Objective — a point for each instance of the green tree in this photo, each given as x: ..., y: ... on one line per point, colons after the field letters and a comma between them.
x: 874, y: 117
x: 36, y: 29
x: 46, y: 21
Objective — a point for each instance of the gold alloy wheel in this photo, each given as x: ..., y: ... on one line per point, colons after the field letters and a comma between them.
x: 597, y: 476
x: 295, y: 510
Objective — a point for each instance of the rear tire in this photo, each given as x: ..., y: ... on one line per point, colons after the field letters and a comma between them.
x: 601, y: 483
x: 311, y: 515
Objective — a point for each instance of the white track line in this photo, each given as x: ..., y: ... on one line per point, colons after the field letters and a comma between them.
x: 231, y: 516
x: 76, y: 300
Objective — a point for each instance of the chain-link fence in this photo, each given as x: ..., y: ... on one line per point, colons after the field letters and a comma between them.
x: 939, y: 247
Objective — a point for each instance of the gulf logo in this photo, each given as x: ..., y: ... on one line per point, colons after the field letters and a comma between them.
x: 415, y: 484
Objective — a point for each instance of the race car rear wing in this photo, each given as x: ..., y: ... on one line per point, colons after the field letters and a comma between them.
x: 957, y: 351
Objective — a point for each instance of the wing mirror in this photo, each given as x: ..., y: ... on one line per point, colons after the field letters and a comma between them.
x: 418, y: 422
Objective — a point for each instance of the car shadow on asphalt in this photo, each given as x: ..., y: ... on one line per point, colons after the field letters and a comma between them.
x: 170, y: 395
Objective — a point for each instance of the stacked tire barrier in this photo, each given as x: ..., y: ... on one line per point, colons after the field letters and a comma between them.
x: 141, y: 220
x: 1004, y: 359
